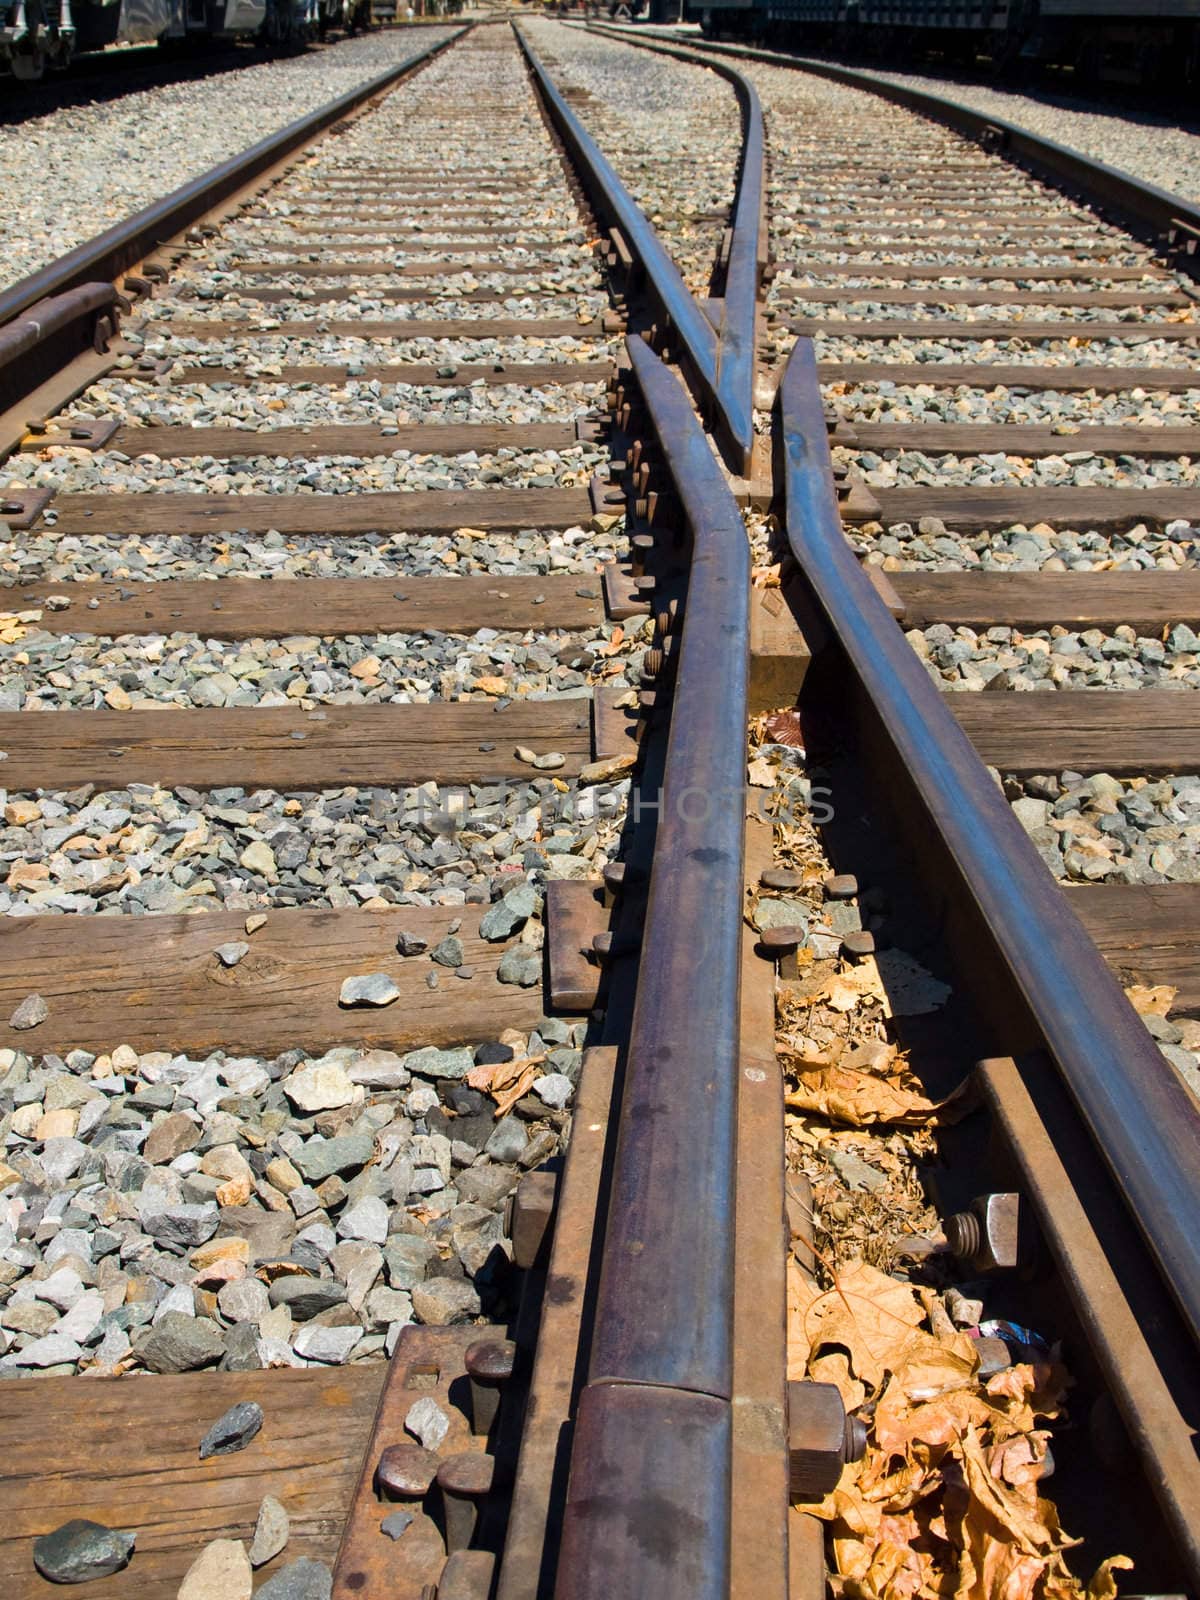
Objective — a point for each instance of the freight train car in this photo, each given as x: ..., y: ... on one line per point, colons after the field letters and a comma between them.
x: 39, y: 34
x: 1137, y: 42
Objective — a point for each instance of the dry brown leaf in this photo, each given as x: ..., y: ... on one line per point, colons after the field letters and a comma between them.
x: 936, y: 1367
x: 870, y: 1315
x: 860, y: 1098
x: 901, y: 1426
x: 945, y: 1502
x: 516, y: 1091
x: 846, y: 1505
x: 1151, y: 1002
x: 834, y: 1367
x: 890, y: 1566
x: 846, y: 991
x: 994, y: 1511
x: 1103, y: 1585
x: 785, y: 727
x: 494, y: 1077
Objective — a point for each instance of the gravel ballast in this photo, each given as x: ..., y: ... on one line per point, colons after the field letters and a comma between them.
x: 1152, y: 147
x: 671, y: 130
x: 171, y: 1210
x: 167, y: 1213
x: 142, y: 146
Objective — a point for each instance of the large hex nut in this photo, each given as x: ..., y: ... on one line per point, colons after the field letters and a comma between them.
x: 821, y: 1439
x: 988, y: 1237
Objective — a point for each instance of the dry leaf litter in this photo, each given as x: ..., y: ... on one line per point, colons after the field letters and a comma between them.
x: 945, y: 1501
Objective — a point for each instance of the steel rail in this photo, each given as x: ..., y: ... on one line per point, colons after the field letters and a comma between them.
x: 1136, y: 1107
x: 737, y: 324
x: 1142, y: 204
x: 721, y: 362
x: 656, y: 1410
x: 120, y: 247
x: 48, y: 317
x: 737, y: 343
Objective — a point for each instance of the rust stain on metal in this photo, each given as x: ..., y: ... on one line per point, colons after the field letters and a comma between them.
x: 575, y: 915
x: 429, y: 1363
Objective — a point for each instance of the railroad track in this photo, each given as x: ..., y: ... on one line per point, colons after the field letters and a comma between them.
x: 482, y: 756
x: 941, y: 310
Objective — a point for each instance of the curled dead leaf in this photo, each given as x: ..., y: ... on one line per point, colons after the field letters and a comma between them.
x: 506, y: 1081
x: 860, y: 1098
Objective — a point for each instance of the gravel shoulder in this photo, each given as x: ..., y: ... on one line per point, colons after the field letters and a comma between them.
x: 169, y: 1211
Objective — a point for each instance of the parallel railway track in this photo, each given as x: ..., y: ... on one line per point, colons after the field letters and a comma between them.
x: 648, y: 1440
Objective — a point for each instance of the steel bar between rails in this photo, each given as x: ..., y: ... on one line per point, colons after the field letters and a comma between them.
x: 130, y: 241
x: 664, y: 1317
x: 1138, y: 1111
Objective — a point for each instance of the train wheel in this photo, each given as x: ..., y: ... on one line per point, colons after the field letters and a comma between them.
x: 30, y: 57
x: 29, y: 66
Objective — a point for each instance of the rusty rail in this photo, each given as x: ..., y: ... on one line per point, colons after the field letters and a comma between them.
x: 1140, y: 1115
x: 648, y: 1505
x: 109, y: 254
x: 720, y: 359
x: 53, y: 331
x: 738, y: 328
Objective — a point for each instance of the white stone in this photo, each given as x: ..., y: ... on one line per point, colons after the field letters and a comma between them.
x: 62, y: 1288
x: 369, y: 989
x: 315, y: 1342
x: 221, y: 1571
x: 554, y: 1090
x: 427, y: 1422
x: 83, y: 1318
x: 52, y: 1351
x: 320, y: 1086
x: 367, y: 1219
x: 178, y: 1297
x: 270, y: 1531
